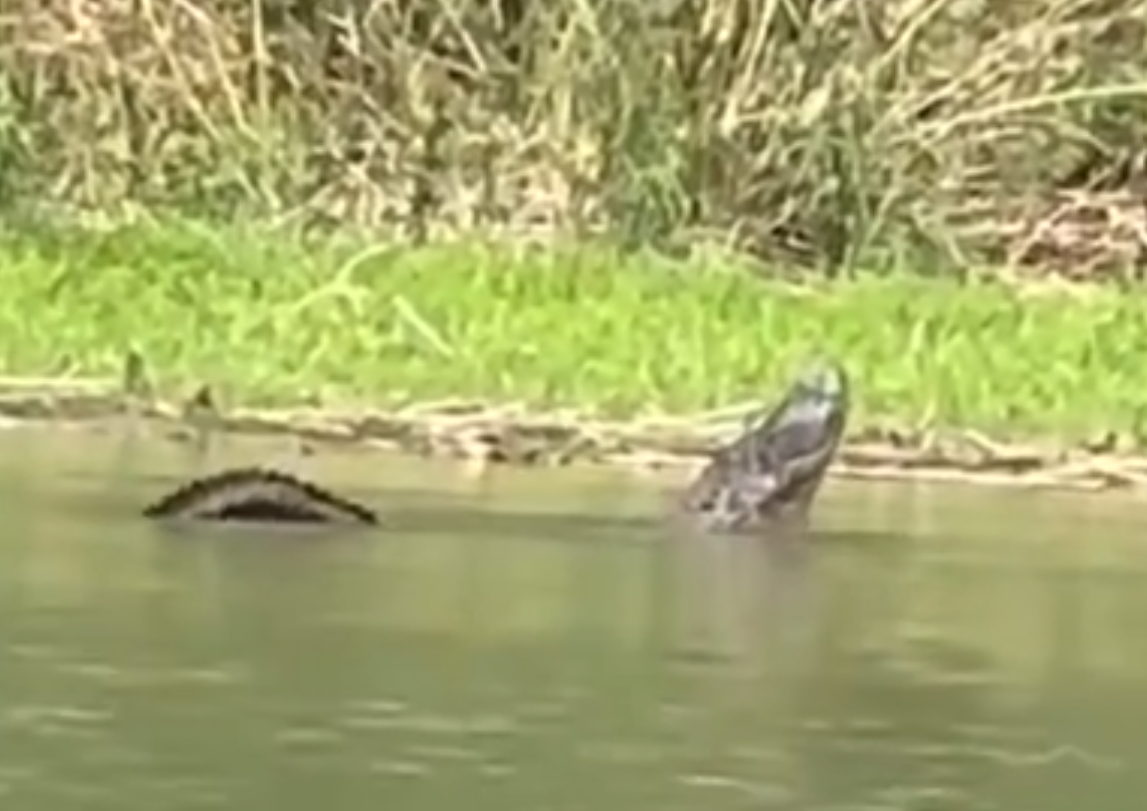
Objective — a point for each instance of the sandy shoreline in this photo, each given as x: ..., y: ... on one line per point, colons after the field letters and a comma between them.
x: 508, y: 434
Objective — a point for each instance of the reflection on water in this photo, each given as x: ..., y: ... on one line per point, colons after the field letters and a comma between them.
x: 545, y: 642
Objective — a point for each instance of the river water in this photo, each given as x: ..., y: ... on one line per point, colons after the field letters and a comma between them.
x: 543, y: 641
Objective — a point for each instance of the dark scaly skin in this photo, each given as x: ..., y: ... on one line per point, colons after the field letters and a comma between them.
x: 775, y: 468
x: 256, y: 494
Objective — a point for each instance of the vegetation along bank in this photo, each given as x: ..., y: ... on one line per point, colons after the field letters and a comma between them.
x: 631, y: 337
x: 207, y: 192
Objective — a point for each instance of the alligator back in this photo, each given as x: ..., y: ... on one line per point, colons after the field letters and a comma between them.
x: 255, y: 494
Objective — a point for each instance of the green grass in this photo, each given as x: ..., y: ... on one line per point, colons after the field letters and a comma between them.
x: 272, y: 319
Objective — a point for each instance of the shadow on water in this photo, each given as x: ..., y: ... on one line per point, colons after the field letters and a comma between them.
x: 548, y: 641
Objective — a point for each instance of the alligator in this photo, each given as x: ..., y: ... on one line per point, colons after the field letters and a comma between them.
x: 257, y: 494
x: 773, y: 470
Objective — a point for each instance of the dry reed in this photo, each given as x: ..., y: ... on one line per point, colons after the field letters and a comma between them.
x: 830, y: 132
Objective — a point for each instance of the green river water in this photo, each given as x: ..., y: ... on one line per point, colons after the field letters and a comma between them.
x: 544, y: 641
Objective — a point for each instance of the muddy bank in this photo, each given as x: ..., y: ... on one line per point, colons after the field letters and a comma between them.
x: 481, y: 433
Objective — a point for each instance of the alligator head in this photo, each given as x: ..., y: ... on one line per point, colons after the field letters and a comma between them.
x: 774, y: 469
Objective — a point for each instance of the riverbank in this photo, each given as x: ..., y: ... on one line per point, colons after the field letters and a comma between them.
x: 568, y: 354
x: 481, y: 434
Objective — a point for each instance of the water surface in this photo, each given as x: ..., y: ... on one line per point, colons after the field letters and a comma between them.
x: 537, y: 641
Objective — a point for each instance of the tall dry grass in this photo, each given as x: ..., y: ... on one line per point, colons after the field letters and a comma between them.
x: 835, y: 131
